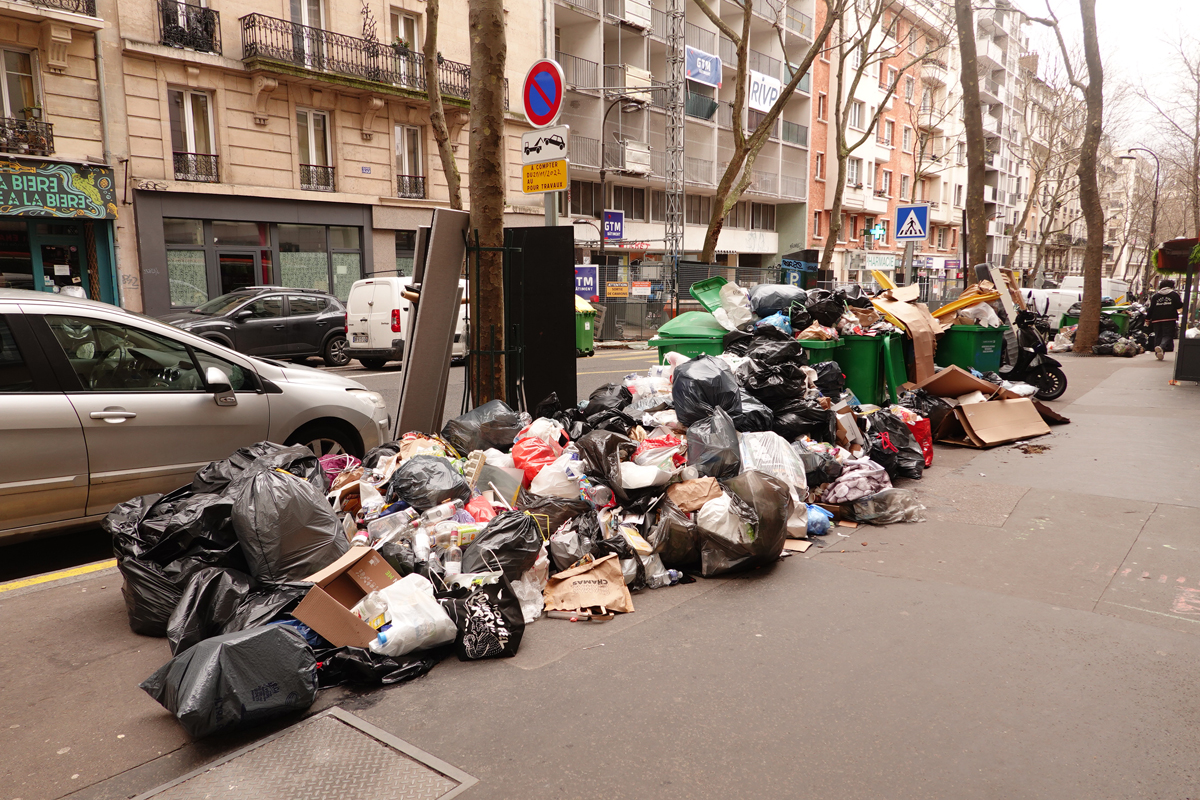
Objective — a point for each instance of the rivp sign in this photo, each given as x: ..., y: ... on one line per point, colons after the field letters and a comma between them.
x: 764, y: 91
x: 703, y: 67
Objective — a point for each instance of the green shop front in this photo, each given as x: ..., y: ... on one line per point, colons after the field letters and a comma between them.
x: 194, y: 247
x: 56, y: 228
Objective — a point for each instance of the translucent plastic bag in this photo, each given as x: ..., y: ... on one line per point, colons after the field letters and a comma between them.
x: 713, y: 446
x: 888, y: 506
x: 770, y: 453
x: 417, y: 620
x: 492, y: 424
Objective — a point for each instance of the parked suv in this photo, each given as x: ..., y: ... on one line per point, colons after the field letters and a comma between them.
x: 272, y: 321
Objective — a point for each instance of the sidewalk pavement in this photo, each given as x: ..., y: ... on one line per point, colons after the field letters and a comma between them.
x: 1038, y: 636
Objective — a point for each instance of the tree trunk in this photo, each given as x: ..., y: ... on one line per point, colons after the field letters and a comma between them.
x: 437, y: 112
x: 839, y: 185
x: 973, y: 110
x: 487, y: 189
x: 1089, y: 187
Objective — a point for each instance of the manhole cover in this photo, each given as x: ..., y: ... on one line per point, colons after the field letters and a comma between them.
x: 332, y: 755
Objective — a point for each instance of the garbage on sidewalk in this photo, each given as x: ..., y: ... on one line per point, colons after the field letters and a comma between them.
x: 456, y: 542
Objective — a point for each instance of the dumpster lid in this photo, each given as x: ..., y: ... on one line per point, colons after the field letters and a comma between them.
x: 583, y: 306
x: 692, y: 325
x: 708, y: 292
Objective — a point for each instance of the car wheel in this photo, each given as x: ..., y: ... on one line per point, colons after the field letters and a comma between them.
x: 372, y: 363
x: 324, y: 440
x: 337, y: 353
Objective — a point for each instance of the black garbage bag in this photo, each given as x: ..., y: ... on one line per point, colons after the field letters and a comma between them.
x: 510, y: 542
x: 1075, y: 310
x: 611, y: 420
x: 489, y: 620
x: 296, y: 459
x: 237, y: 680
x: 209, y: 601
x: 361, y: 667
x: 674, y: 536
x: 609, y: 397
x: 702, y: 385
x: 426, y: 481
x: 1107, y: 323
x: 762, y: 504
x: 183, y: 520
x: 264, y: 606
x: 1102, y: 349
x: 819, y: 468
x: 855, y: 296
x: 776, y: 385
x: 574, y: 540
x: 713, y: 446
x: 602, y: 453
x: 1108, y: 337
x: 802, y: 417
x: 286, y: 528
x: 826, y: 312
x: 883, y: 451
x: 549, y: 408
x: 799, y: 317
x: 737, y: 342
x: 492, y: 424
x: 771, y: 298
x: 910, y: 459
x: 551, y: 513
x: 933, y: 408
x: 830, y: 380
x: 755, y: 416
x: 377, y: 455
x: 772, y: 347
x: 151, y: 592
x: 399, y: 555
x: 216, y: 476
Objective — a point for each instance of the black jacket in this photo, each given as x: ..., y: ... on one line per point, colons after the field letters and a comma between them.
x: 1165, y: 305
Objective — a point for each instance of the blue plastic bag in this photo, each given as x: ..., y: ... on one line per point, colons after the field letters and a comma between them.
x: 779, y: 320
x: 818, y: 521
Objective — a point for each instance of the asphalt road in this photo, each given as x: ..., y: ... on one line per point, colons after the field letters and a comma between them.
x: 87, y: 546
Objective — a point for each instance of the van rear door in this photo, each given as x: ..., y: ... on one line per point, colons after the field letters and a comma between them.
x: 358, y: 313
x: 384, y: 301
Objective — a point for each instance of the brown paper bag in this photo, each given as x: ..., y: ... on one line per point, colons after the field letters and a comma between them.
x: 690, y: 495
x: 599, y: 583
x: 866, y: 316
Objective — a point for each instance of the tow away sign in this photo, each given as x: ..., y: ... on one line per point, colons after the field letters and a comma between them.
x: 547, y: 144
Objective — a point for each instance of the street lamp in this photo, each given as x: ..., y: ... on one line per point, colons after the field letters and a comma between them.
x: 626, y: 105
x: 1129, y: 156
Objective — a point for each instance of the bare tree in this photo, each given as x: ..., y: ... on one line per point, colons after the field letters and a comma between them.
x: 1179, y: 125
x: 976, y: 231
x: 746, y: 148
x: 489, y: 52
x: 437, y: 111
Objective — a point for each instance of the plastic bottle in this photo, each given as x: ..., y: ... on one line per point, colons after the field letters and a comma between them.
x: 385, y: 528
x: 673, y: 576
x: 443, y: 512
x: 421, y: 544
x: 452, y: 561
x: 360, y: 539
x: 371, y: 499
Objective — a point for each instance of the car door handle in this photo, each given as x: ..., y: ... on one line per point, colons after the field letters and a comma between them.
x: 113, y: 415
x: 279, y: 327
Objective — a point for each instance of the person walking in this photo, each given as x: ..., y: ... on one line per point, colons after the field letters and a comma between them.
x: 1164, y: 311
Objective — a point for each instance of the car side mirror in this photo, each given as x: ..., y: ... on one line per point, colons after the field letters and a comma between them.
x: 243, y: 315
x: 220, y: 387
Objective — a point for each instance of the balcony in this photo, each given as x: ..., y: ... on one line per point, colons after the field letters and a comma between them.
x: 85, y: 7
x: 197, y: 167
x: 584, y: 151
x: 991, y: 125
x: 631, y: 12
x: 795, y: 134
x: 805, y: 84
x: 764, y: 183
x: 700, y: 106
x: 189, y: 26
x: 990, y: 91
x: 699, y: 38
x: 26, y: 137
x: 317, y: 178
x: 592, y: 6
x: 990, y: 55
x: 933, y: 72
x: 793, y: 188
x: 281, y: 46
x: 409, y: 186
x: 578, y: 71
x: 761, y: 62
x: 658, y: 24
x: 798, y: 23
x: 725, y: 115
x: 697, y: 170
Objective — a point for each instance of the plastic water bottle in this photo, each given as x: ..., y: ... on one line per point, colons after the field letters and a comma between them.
x: 452, y: 561
x: 361, y: 539
x: 386, y: 527
x: 673, y: 576
x: 443, y: 512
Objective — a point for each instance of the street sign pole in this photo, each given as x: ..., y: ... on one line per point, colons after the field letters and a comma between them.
x: 906, y: 264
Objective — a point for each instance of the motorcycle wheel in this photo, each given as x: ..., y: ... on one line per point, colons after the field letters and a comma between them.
x: 1052, y: 384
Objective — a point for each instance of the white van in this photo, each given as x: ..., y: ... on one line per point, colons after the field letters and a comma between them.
x: 377, y: 321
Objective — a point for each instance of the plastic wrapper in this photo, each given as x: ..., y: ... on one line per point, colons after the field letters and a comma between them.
x: 771, y: 298
x: 744, y: 528
x: 656, y: 572
x: 510, y: 542
x: 910, y: 458
x: 665, y: 452
x: 922, y: 434
x: 531, y: 585
x: 492, y: 424
x: 805, y: 418
x: 713, y: 446
x: 426, y: 481
x: 755, y: 415
x: 236, y: 680
x: 216, y: 476
x: 819, y: 468
x: 488, y: 618
x: 551, y: 513
x: 830, y: 379
x: 531, y: 455
x: 735, y: 305
x: 702, y: 385
x: 480, y: 509
x: 860, y: 477
x: 636, y: 476
x: 286, y: 528
x: 819, y: 520
x: 610, y: 397
x: 888, y: 506
x: 981, y: 314
x: 778, y: 321
x: 417, y: 620
x: 208, y: 603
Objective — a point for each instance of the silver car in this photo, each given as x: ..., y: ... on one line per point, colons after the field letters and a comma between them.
x: 98, y: 405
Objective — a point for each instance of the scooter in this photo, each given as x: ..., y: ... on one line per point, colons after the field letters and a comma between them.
x: 1033, y: 364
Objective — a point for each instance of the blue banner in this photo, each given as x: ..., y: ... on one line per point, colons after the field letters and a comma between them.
x: 614, y: 226
x: 703, y: 67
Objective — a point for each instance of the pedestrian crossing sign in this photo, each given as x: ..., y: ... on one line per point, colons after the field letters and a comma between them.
x: 912, y: 223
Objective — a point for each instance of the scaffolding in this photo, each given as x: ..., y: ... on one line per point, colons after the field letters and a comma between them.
x: 675, y: 140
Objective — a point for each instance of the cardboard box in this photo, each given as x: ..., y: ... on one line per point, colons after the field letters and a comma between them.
x: 983, y: 425
x: 953, y: 382
x: 337, y: 589
x: 900, y: 305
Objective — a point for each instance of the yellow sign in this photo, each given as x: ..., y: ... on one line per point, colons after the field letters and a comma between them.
x: 548, y: 176
x: 616, y: 289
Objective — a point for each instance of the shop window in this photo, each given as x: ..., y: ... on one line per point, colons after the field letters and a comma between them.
x: 226, y: 233
x: 304, y: 257
x: 188, y: 277
x: 193, y: 150
x: 347, y: 268
x: 183, y: 231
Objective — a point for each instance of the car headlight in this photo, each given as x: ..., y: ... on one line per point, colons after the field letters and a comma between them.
x: 372, y: 399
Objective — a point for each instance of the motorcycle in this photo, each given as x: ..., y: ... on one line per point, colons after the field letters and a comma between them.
x: 1033, y: 363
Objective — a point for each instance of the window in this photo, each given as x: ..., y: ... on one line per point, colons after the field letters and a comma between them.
x: 853, y: 228
x: 300, y: 305
x: 14, y: 375
x: 265, y: 308
x: 304, y: 257
x: 885, y: 183
x: 816, y: 230
x: 819, y: 167
x: 631, y: 200
x: 958, y: 195
x: 822, y: 102
x: 913, y: 40
x: 910, y: 86
x: 845, y: 225
x: 941, y: 238
x: 410, y: 168
x: 186, y: 271
x: 404, y: 28
x: 191, y: 133
x: 960, y: 153
x: 904, y: 181
x: 17, y: 84
x: 738, y: 216
x: 111, y: 357
x: 696, y: 209
x: 658, y: 206
x: 406, y: 250
x: 856, y: 114
x: 891, y: 78
x: 889, y: 132
x: 308, y: 12
x: 887, y: 227
x: 762, y: 217
x: 907, y: 141
x: 316, y: 171
x: 854, y: 172
x: 586, y: 200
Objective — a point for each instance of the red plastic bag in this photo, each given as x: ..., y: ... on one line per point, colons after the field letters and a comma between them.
x: 532, y: 454
x: 480, y: 509
x: 923, y: 433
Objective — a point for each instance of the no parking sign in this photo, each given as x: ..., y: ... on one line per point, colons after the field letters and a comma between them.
x: 542, y: 94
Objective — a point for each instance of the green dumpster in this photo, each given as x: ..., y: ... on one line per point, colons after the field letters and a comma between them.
x: 585, y: 328
x: 968, y: 346
x: 694, y: 333
x: 708, y: 292
x: 818, y: 350
x: 860, y: 358
x: 1121, y: 318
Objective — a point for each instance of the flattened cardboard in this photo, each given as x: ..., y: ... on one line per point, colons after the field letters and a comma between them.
x: 337, y: 588
x: 983, y: 425
x: 922, y: 327
x: 955, y: 382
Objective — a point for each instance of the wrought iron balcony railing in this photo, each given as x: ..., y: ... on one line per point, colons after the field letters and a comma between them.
x: 200, y: 167
x: 26, y: 136
x: 317, y: 178
x: 87, y: 7
x: 411, y: 186
x: 192, y: 26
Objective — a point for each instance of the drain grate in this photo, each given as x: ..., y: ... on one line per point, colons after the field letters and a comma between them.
x: 332, y: 755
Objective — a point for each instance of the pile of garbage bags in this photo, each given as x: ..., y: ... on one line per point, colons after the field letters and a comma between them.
x: 815, y: 314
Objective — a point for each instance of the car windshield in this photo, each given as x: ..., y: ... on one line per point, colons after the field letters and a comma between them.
x: 220, y: 305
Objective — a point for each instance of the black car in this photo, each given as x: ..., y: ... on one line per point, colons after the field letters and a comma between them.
x: 273, y: 321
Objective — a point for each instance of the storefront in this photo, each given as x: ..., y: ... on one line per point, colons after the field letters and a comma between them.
x: 56, y: 229
x: 193, y: 248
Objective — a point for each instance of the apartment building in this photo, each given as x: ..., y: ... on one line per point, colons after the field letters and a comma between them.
x: 614, y: 56
x: 916, y: 153
x: 59, y: 197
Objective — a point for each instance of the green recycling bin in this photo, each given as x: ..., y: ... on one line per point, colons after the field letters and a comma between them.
x: 585, y: 333
x: 860, y: 358
x: 820, y: 350
x: 694, y: 333
x: 968, y: 346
